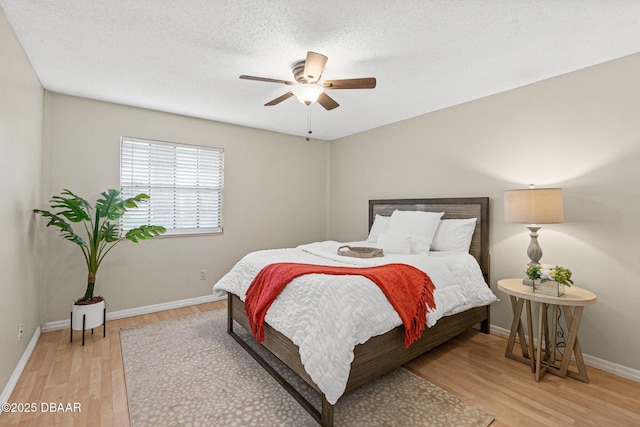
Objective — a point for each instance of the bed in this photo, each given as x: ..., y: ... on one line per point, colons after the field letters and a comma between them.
x: 384, y: 352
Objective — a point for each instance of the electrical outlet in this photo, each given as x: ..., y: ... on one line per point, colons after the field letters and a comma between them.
x: 20, y: 331
x: 203, y: 274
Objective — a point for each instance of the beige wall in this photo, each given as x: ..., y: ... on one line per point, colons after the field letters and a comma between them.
x: 579, y: 131
x: 275, y: 188
x: 21, y: 115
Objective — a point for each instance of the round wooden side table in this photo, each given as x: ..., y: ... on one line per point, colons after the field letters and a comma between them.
x: 522, y: 295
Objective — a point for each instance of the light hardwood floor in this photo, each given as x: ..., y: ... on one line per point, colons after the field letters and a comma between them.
x: 471, y: 366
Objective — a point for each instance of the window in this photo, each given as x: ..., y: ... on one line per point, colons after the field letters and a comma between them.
x: 184, y: 182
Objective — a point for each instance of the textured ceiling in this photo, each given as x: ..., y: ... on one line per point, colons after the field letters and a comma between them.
x: 185, y: 56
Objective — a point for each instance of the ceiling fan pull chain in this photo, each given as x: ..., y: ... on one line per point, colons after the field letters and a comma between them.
x: 308, y: 123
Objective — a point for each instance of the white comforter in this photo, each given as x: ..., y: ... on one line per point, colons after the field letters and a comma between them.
x: 327, y: 316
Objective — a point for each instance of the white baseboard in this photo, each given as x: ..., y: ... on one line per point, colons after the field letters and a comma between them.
x: 594, y: 362
x: 15, y: 376
x: 137, y: 311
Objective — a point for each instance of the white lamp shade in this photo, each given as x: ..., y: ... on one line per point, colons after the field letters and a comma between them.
x: 307, y: 93
x: 534, y: 206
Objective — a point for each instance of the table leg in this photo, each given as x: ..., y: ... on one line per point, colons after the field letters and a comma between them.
x: 517, y: 330
x: 573, y: 346
x: 554, y: 333
x: 545, y: 333
x: 542, y: 329
x: 532, y: 361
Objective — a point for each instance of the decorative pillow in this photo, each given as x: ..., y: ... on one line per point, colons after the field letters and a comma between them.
x: 394, y: 245
x: 420, y: 226
x: 380, y: 225
x: 454, y: 235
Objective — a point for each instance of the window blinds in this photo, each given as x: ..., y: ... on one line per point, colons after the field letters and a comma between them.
x: 184, y: 182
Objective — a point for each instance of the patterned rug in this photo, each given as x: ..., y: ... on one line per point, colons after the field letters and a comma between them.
x: 189, y: 372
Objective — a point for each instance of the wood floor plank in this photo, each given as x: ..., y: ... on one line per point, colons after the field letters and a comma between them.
x: 471, y: 366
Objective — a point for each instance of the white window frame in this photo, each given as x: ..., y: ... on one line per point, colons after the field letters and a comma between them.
x: 186, y: 180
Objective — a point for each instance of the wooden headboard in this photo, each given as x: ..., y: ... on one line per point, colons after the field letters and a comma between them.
x: 457, y: 208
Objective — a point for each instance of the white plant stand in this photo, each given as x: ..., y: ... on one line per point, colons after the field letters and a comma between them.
x: 88, y: 316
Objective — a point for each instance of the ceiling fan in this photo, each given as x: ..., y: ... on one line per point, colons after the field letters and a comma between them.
x: 307, y: 87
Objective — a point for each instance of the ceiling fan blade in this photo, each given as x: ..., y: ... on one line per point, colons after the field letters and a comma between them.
x: 314, y: 66
x: 362, y: 83
x: 265, y: 79
x: 279, y: 99
x: 327, y: 102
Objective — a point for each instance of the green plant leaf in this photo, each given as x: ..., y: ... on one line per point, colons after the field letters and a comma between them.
x: 65, y: 228
x: 144, y: 232
x: 533, y: 272
x: 133, y: 201
x: 110, y: 206
x: 74, y: 208
x: 110, y: 232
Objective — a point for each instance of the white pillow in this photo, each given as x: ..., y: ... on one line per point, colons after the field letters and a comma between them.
x: 420, y: 226
x: 454, y: 235
x: 380, y: 225
x: 393, y: 244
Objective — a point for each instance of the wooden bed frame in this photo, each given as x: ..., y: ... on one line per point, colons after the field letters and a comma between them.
x: 382, y: 353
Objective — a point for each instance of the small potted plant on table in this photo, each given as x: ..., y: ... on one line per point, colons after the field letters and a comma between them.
x: 549, y: 279
x: 102, y: 234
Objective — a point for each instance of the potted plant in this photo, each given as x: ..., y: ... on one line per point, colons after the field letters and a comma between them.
x: 549, y: 279
x: 102, y: 234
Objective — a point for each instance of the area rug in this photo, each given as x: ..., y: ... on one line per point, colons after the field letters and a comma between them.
x: 190, y: 372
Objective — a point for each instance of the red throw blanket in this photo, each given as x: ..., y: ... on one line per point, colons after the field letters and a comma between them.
x: 409, y: 290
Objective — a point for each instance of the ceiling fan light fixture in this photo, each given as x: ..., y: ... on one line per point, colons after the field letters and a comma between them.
x: 306, y: 88
x: 307, y: 93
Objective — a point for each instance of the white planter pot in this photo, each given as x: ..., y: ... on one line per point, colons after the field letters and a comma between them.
x: 94, y: 315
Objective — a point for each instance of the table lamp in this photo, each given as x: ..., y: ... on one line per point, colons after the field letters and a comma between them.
x: 534, y: 206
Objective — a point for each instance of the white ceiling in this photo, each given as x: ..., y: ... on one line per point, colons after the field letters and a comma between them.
x: 185, y: 56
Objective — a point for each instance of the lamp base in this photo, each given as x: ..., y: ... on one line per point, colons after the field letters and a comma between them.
x: 534, y: 251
